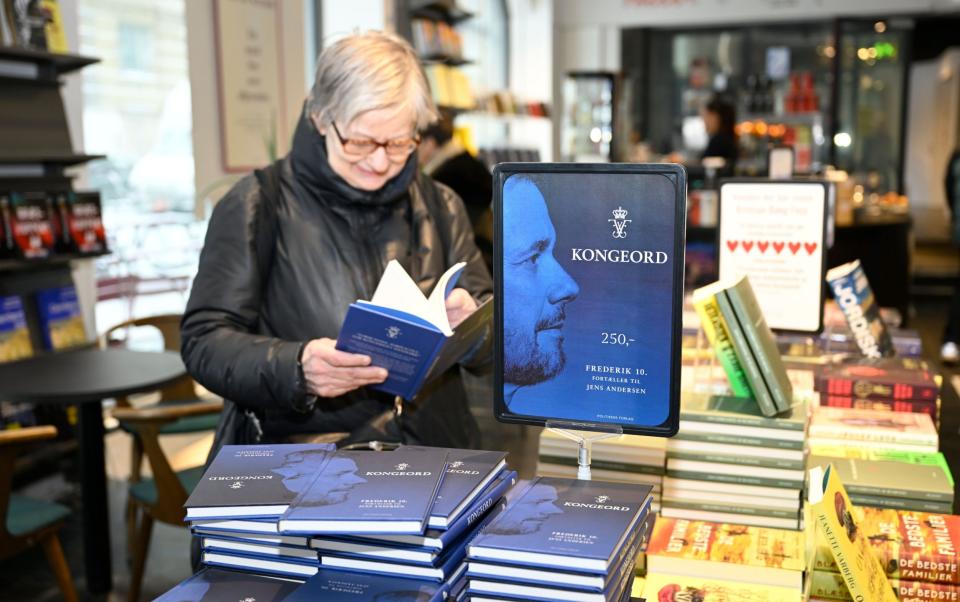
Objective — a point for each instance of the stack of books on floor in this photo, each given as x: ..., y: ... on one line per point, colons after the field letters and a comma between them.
x: 891, y: 479
x: 729, y: 463
x: 701, y: 560
x: 888, y: 384
x: 407, y: 514
x: 917, y: 550
x: 626, y: 459
x: 561, y: 539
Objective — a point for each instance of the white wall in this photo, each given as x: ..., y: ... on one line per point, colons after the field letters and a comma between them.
x: 211, y: 181
x: 343, y: 17
x: 531, y: 51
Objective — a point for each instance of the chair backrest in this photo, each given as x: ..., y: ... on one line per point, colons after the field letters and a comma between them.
x: 168, y: 325
x: 12, y: 443
x: 145, y: 423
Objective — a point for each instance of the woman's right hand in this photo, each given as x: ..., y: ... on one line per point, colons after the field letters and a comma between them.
x: 331, y: 373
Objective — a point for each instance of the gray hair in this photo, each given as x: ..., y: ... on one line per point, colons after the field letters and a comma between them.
x: 367, y: 71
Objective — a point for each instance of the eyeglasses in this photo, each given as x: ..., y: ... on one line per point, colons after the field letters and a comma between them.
x: 398, y: 147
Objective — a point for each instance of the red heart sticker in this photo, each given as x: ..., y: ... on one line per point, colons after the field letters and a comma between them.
x: 747, y: 245
x: 732, y: 245
x: 762, y: 245
x: 778, y: 246
x: 810, y: 247
x: 794, y: 247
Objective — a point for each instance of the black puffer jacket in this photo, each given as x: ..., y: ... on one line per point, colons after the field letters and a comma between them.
x: 243, y: 331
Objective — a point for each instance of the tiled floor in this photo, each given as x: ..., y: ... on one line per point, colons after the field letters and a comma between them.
x: 26, y: 577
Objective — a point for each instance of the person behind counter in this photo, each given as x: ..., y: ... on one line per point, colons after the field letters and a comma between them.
x: 328, y: 217
x: 719, y: 119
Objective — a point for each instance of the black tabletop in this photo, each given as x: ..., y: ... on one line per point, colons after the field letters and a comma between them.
x: 87, y: 375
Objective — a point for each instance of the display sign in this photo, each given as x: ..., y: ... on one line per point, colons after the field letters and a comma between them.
x: 250, y: 82
x: 588, y: 268
x: 774, y: 232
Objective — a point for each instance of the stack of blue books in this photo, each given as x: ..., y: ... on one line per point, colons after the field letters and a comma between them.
x: 304, y: 511
x: 561, y: 539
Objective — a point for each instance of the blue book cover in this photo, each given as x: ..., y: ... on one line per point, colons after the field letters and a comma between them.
x: 853, y: 294
x: 285, y: 567
x: 436, y: 540
x: 450, y: 565
x: 566, y: 523
x: 259, y: 549
x: 215, y: 585
x: 14, y: 335
x: 256, y: 481
x: 332, y: 585
x: 409, y: 334
x: 61, y: 320
x: 589, y: 270
x: 467, y: 474
x: 370, y: 492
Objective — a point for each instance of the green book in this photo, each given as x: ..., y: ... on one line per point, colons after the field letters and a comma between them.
x: 710, y: 506
x: 743, y: 460
x: 739, y: 411
x: 718, y: 333
x: 737, y: 439
x: 899, y: 503
x: 889, y: 479
x: 750, y: 320
x: 750, y: 366
x: 892, y: 455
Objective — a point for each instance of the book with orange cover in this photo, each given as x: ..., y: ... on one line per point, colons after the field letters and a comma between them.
x: 673, y: 588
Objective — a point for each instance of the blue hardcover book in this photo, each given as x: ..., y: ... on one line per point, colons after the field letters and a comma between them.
x: 61, y: 320
x: 603, y: 243
x: 449, y: 566
x: 259, y: 549
x: 215, y: 585
x: 435, y: 540
x: 256, y: 481
x: 468, y: 473
x: 286, y: 567
x: 565, y: 578
x: 852, y: 291
x: 369, y: 492
x: 409, y: 334
x: 344, y: 586
x: 565, y: 523
x: 295, y: 541
x: 252, y: 526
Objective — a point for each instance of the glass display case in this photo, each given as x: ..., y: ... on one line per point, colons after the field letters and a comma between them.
x: 587, y: 126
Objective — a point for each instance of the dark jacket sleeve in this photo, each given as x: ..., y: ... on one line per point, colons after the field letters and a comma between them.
x: 475, y: 277
x: 220, y: 345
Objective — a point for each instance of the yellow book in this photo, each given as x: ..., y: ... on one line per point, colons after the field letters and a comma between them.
x: 56, y: 37
x: 833, y: 515
x: 674, y: 588
x: 718, y: 333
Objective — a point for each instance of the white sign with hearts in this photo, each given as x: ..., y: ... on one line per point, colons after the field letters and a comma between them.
x: 774, y: 233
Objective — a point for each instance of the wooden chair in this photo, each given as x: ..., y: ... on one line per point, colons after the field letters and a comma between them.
x: 28, y: 522
x: 160, y: 498
x: 179, y: 392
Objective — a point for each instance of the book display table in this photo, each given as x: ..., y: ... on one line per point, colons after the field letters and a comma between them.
x: 85, y: 377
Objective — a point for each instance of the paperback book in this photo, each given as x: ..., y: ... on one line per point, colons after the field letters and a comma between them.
x: 831, y: 586
x: 15, y: 341
x: 255, y: 481
x: 834, y: 518
x: 369, y: 492
x: 408, y: 333
x: 80, y: 225
x: 216, y: 585
x: 31, y: 225
x: 872, y: 427
x: 853, y: 294
x: 61, y: 320
x: 883, y: 378
x: 756, y: 555
x: 891, y: 478
x: 565, y: 523
x: 929, y: 407
x: 676, y: 588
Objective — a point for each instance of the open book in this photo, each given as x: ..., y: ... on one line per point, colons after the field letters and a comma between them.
x: 408, y: 333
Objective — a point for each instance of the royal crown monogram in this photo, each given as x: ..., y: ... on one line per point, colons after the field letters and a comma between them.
x: 620, y: 222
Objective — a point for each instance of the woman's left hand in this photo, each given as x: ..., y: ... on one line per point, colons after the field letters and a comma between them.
x: 460, y: 304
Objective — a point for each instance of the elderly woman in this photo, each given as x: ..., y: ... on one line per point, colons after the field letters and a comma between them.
x: 287, y: 251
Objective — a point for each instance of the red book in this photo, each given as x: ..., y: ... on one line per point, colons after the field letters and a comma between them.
x: 897, y: 378
x: 31, y: 223
x: 886, y: 405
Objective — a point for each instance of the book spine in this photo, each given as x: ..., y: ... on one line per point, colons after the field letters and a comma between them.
x: 757, y: 384
x: 760, y: 340
x: 739, y: 440
x: 855, y: 298
x: 847, y: 433
x: 717, y: 333
x: 737, y: 459
x: 733, y: 479
x: 929, y: 407
x: 747, y: 421
x: 707, y: 506
x: 878, y: 500
x: 870, y: 389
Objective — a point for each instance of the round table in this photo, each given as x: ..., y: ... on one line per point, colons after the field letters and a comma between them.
x: 86, y: 377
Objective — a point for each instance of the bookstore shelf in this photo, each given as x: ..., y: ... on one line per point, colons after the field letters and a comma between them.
x: 52, y: 262
x: 62, y: 160
x: 59, y: 63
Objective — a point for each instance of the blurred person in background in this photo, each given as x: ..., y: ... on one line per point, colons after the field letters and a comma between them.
x: 720, y: 120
